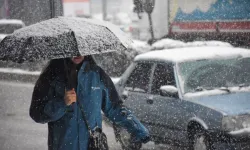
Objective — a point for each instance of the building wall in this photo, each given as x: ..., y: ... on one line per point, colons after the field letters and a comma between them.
x: 76, y: 8
x: 33, y: 11
x: 4, y: 11
x: 113, y: 6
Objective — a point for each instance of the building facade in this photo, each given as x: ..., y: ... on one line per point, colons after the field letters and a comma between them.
x: 30, y: 11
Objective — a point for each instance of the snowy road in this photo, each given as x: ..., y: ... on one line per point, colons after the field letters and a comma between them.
x: 19, y: 132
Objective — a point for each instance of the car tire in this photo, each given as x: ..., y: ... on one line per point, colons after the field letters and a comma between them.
x: 124, y: 138
x: 199, y: 140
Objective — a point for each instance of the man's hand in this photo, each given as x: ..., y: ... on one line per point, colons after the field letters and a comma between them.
x: 70, y: 97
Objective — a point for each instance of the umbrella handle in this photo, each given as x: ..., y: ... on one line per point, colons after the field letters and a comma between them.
x: 71, y: 103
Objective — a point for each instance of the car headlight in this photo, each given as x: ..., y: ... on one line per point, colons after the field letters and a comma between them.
x: 234, y: 123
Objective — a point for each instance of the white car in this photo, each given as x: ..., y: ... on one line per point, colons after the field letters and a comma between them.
x: 197, y: 97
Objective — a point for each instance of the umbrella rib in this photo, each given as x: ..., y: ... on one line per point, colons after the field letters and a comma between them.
x: 74, y: 36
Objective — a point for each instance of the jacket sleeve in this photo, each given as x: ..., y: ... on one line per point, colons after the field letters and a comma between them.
x: 46, y: 108
x: 117, y: 113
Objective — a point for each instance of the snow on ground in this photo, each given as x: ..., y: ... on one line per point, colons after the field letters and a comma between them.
x: 140, y: 46
x: 19, y: 71
x: 11, y: 21
x: 167, y: 44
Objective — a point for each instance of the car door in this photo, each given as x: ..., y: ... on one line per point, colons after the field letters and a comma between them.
x: 166, y: 112
x: 136, y: 88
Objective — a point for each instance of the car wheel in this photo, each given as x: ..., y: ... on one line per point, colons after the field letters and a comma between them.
x: 125, y: 138
x: 199, y: 140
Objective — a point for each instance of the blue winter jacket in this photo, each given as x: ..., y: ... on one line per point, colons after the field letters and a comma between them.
x: 95, y: 92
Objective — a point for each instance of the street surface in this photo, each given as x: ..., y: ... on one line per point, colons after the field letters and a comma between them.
x: 19, y: 132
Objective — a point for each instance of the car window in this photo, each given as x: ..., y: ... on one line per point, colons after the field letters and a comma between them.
x: 163, y: 75
x: 138, y: 80
x: 214, y: 74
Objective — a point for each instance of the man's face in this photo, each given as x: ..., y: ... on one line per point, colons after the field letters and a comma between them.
x: 77, y: 60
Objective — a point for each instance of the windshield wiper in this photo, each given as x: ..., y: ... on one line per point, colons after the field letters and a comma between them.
x: 198, y: 89
x: 244, y: 85
x: 225, y: 89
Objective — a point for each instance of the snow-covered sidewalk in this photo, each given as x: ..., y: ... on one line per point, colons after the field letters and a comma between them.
x: 19, y: 71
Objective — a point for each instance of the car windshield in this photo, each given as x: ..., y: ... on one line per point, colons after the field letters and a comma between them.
x: 9, y: 28
x: 214, y: 74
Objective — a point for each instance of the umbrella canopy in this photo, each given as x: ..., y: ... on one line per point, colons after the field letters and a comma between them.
x: 62, y: 37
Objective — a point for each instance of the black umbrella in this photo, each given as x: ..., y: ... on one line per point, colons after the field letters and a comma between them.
x: 62, y: 37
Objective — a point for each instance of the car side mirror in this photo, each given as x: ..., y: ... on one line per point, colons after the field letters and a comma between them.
x: 169, y: 91
x: 124, y: 95
x: 120, y: 82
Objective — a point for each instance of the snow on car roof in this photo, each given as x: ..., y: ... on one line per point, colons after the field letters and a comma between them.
x: 193, y: 53
x: 11, y: 21
x: 171, y: 43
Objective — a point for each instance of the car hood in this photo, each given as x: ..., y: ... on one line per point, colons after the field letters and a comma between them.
x: 228, y: 104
